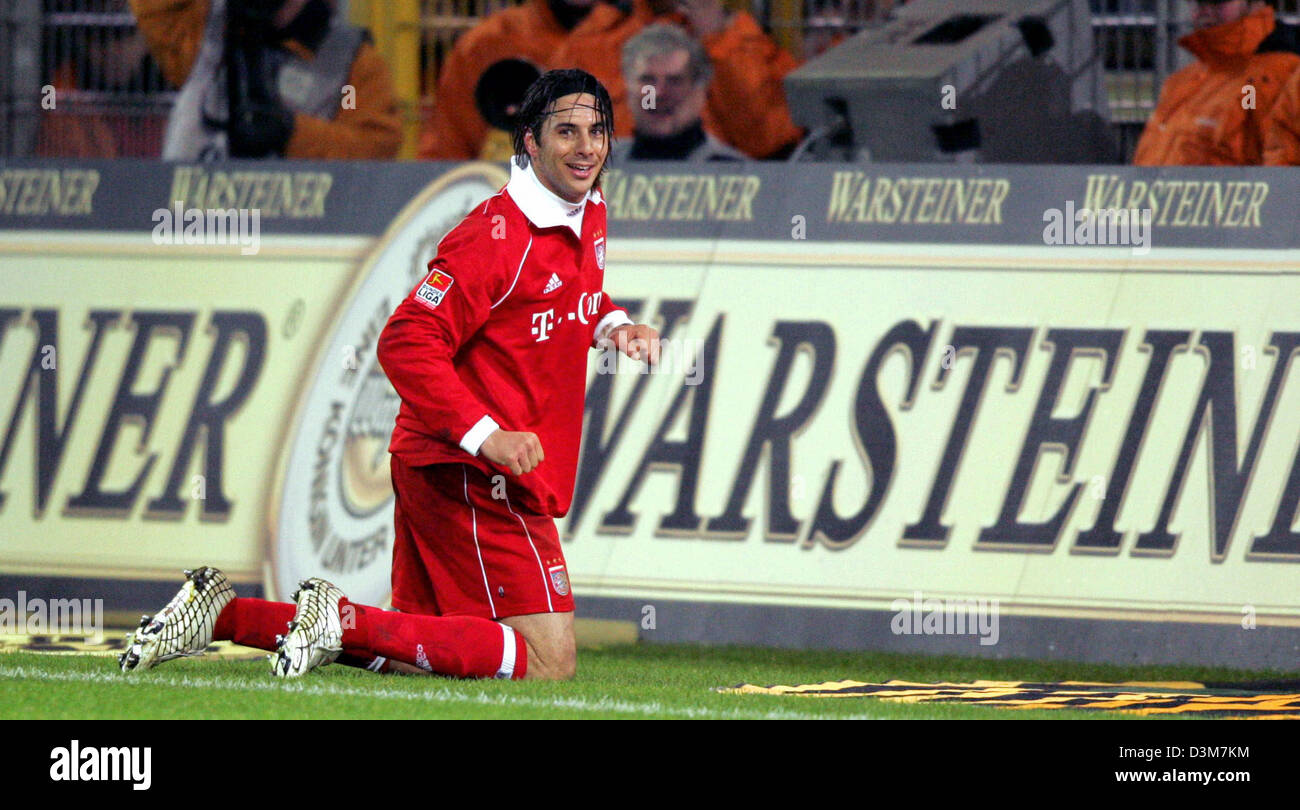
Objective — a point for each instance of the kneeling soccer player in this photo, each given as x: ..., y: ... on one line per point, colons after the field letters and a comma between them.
x: 489, y: 357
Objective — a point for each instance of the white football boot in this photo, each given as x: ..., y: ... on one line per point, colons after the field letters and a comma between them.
x: 184, y: 627
x: 316, y: 633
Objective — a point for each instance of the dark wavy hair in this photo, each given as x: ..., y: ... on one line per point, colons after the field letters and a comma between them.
x: 539, y: 102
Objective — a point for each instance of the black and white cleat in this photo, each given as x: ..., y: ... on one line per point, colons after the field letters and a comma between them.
x: 184, y: 626
x: 315, y: 636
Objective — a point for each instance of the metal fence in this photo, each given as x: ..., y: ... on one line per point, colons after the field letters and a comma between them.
x: 20, y: 75
x: 1136, y: 40
x: 99, y: 93
x: 1138, y: 43
x: 76, y: 79
x: 441, y: 22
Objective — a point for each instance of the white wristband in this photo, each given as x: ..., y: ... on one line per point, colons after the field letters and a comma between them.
x: 609, y: 323
x: 475, y: 436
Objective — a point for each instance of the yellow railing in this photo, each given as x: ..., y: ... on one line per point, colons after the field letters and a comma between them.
x: 395, y: 26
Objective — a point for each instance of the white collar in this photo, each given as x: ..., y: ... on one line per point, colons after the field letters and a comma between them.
x: 543, y: 207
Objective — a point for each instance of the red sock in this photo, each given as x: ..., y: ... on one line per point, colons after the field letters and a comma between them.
x: 459, y: 646
x: 256, y: 623
x: 253, y: 622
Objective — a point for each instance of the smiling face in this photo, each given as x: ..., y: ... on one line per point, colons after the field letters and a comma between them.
x: 572, y: 148
x: 678, y: 98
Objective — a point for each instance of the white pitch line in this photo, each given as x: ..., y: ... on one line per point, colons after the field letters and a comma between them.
x: 438, y: 694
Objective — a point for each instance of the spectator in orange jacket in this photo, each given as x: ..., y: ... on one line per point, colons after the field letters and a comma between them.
x: 746, y: 104
x: 672, y: 71
x: 532, y: 32
x: 357, y: 118
x: 1282, y: 132
x: 1214, y: 113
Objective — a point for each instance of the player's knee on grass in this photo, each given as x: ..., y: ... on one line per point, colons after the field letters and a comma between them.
x: 553, y: 662
x: 552, y: 651
x: 560, y: 659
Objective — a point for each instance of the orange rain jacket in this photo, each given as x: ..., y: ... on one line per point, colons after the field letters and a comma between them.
x: 1282, y: 133
x: 174, y: 29
x: 1204, y: 117
x: 746, y: 106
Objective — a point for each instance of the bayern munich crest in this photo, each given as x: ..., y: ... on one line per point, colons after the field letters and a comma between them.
x: 559, y: 579
x: 600, y: 253
x: 332, y: 512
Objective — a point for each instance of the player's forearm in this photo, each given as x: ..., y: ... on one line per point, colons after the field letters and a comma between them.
x: 419, y: 366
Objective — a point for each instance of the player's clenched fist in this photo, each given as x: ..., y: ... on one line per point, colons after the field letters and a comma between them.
x: 517, y: 451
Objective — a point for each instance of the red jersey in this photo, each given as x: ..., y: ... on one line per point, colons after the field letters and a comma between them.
x: 497, y: 336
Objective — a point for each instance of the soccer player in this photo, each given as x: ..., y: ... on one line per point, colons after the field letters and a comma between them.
x: 488, y: 354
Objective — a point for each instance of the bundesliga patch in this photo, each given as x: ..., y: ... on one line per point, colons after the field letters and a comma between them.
x: 559, y: 579
x: 433, y: 289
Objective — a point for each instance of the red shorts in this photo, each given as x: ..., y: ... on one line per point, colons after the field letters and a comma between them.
x: 459, y: 551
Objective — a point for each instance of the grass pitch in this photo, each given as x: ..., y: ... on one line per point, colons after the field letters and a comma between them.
x: 614, y: 682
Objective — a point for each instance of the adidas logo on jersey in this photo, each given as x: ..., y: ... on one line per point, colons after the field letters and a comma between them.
x: 552, y: 285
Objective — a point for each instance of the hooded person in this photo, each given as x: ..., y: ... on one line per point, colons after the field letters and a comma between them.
x: 270, y: 78
x: 1215, y: 112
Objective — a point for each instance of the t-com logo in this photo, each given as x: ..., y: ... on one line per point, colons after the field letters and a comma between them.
x: 543, y: 322
x: 94, y: 764
x: 332, y: 515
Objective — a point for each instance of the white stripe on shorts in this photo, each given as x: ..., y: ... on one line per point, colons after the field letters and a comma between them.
x: 546, y: 582
x: 474, y: 518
